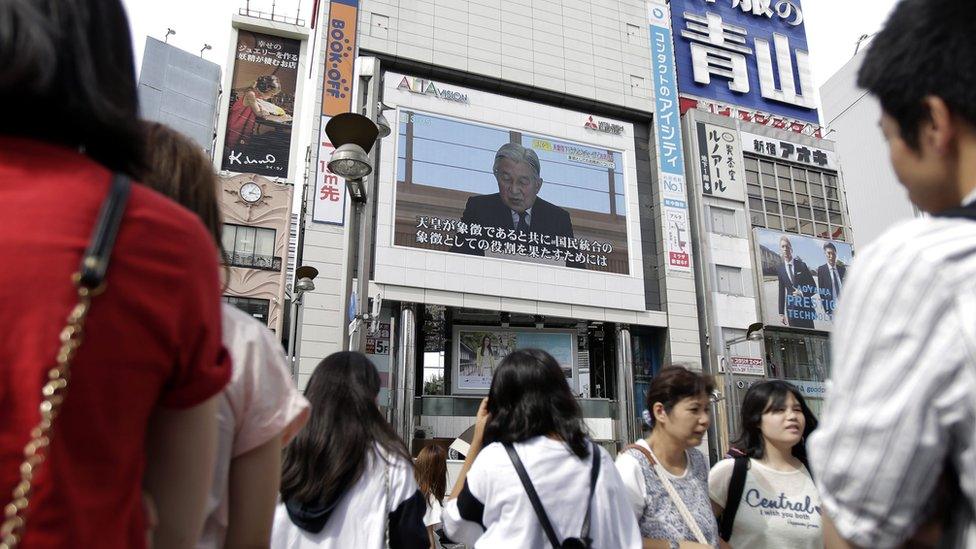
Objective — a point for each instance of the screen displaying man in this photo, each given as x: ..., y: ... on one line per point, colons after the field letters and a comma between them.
x: 830, y: 276
x: 796, y: 288
x: 517, y: 205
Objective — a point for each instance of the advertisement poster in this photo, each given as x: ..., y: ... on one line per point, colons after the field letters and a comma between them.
x: 470, y: 188
x: 481, y: 350
x: 802, y: 278
x: 667, y: 127
x: 720, y: 162
x: 262, y: 104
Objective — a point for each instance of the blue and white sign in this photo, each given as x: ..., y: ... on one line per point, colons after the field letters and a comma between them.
x: 751, y: 53
x: 667, y: 127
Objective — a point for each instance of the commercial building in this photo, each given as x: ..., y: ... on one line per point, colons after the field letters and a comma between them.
x: 768, y: 208
x: 258, y: 158
x: 878, y: 200
x: 598, y: 271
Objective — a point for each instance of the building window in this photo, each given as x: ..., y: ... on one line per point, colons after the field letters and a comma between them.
x: 258, y: 308
x: 795, y: 199
x: 729, y: 280
x: 723, y: 221
x: 798, y: 356
x: 634, y: 34
x: 379, y: 25
x: 638, y: 86
x: 251, y: 247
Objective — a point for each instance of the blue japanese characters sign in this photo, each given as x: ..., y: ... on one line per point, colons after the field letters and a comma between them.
x: 751, y: 53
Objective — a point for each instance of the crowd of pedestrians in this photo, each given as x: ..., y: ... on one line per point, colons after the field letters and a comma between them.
x: 138, y: 411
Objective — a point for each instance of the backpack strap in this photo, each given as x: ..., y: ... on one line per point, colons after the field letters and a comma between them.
x: 533, y: 496
x: 736, y: 485
x: 594, y: 474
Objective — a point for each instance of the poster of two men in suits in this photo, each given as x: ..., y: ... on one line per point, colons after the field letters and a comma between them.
x: 803, y: 278
x: 475, y: 189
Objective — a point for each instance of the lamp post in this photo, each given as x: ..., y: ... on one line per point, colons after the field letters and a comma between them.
x: 753, y: 333
x: 304, y: 275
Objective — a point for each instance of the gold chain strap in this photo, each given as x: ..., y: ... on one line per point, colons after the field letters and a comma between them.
x: 52, y: 397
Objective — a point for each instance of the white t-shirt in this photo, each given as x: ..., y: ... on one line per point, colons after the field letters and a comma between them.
x: 368, y: 512
x: 778, y: 509
x: 493, y: 510
x: 433, y: 517
x: 260, y: 403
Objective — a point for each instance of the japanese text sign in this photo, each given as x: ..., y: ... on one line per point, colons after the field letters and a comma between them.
x: 745, y: 52
x: 720, y: 162
x: 784, y: 150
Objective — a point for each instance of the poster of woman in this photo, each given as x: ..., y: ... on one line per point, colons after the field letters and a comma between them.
x: 481, y: 350
x: 262, y: 104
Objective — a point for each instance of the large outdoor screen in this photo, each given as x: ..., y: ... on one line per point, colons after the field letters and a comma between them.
x: 471, y: 188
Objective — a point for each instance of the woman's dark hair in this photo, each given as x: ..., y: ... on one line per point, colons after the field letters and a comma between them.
x: 178, y: 168
x: 68, y: 77
x: 529, y: 397
x: 770, y: 396
x: 673, y: 384
x: 266, y: 83
x: 430, y: 470
x: 329, y: 454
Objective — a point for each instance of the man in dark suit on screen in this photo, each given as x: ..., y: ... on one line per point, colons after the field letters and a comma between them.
x: 517, y: 205
x: 796, y: 288
x: 831, y: 278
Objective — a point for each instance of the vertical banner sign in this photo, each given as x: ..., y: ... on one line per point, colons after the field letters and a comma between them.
x: 720, y: 162
x: 262, y: 102
x: 667, y: 125
x: 337, y: 84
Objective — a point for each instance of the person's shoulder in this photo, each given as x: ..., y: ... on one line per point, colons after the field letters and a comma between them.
x: 723, y: 466
x: 926, y: 245
x: 484, y: 199
x: 549, y: 207
x: 155, y: 212
x: 239, y: 325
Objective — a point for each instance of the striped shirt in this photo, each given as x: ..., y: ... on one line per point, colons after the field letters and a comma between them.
x: 902, y: 395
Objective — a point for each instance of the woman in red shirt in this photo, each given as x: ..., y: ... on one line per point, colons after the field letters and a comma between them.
x: 138, y: 412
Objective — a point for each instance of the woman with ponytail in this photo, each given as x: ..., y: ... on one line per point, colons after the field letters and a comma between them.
x: 347, y: 479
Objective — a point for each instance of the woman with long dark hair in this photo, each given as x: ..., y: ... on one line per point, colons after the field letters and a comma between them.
x: 136, y: 394
x: 347, y: 479
x: 430, y: 470
x: 778, y: 504
x: 485, y: 356
x: 531, y: 421
x: 665, y: 475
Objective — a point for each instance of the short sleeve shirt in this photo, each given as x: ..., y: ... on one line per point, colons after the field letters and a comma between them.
x: 152, y: 339
x: 777, y: 509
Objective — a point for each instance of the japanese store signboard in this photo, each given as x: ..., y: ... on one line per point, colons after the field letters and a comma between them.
x: 337, y: 85
x: 794, y: 152
x: 720, y: 162
x: 745, y: 52
x: 667, y: 125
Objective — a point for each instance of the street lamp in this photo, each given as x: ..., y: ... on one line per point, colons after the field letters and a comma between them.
x: 753, y: 333
x: 304, y: 276
x: 353, y: 136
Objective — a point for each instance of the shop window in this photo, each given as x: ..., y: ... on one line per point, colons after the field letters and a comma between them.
x: 797, y: 355
x: 723, y: 221
x: 258, y: 308
x: 729, y: 279
x: 435, y: 343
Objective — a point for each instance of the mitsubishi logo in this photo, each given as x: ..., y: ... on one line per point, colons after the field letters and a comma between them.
x: 605, y: 127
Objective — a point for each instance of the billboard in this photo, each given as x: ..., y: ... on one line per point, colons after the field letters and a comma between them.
x: 262, y: 104
x: 745, y: 52
x: 480, y: 350
x: 329, y: 200
x: 478, y: 189
x: 802, y: 278
x: 667, y: 126
x: 720, y: 162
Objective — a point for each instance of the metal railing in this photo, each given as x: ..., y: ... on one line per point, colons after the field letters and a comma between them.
x: 254, y: 261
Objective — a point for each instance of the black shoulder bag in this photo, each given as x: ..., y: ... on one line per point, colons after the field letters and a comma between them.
x: 583, y: 541
x: 736, y: 485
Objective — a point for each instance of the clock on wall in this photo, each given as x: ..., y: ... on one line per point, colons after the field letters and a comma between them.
x: 251, y: 192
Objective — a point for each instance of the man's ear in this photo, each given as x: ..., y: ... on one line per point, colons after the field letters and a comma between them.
x: 938, y: 131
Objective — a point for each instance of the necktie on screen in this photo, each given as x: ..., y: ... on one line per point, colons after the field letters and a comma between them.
x: 522, y: 225
x: 833, y: 274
